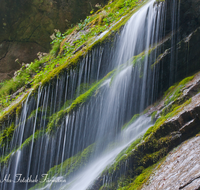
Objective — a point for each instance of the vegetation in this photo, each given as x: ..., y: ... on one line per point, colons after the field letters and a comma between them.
x: 160, y: 121
x: 6, y: 135
x: 65, y: 54
x: 143, y: 153
x: 171, y: 94
x: 36, y: 135
x: 123, y: 154
x: 174, y: 103
x: 137, y: 182
x: 136, y: 116
x: 69, y: 166
x: 57, y: 117
x: 14, y: 108
x: 174, y: 92
x: 153, y: 116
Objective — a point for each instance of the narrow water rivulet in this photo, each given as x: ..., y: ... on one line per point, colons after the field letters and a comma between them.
x: 48, y: 140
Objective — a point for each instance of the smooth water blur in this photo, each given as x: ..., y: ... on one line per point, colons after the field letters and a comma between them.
x: 85, y: 178
x: 101, y: 118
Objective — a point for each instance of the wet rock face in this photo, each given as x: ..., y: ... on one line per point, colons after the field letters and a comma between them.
x: 188, y: 14
x: 10, y: 51
x: 172, y: 132
x: 181, y: 169
x: 26, y: 26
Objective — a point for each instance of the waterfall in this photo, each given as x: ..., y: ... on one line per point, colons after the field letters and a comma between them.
x: 48, y: 138
x: 88, y: 174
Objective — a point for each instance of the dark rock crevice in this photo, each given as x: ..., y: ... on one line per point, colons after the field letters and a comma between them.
x: 183, y: 186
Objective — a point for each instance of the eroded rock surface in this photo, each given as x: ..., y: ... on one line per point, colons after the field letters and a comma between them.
x: 180, y: 170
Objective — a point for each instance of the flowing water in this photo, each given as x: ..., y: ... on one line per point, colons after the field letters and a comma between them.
x: 97, y: 122
x: 123, y: 140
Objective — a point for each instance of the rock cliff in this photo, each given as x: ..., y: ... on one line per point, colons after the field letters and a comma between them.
x: 26, y: 26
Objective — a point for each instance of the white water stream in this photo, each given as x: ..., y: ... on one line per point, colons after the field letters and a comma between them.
x: 99, y: 120
x: 94, y: 169
x: 139, y: 33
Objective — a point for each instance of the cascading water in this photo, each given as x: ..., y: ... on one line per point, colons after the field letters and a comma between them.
x: 95, y: 167
x: 96, y: 124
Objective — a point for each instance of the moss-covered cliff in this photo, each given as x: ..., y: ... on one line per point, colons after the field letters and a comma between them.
x: 176, y: 116
x: 66, y: 87
x: 70, y: 48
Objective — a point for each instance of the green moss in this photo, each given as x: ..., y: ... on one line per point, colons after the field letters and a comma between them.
x: 33, y: 113
x: 139, y: 158
x: 57, y: 117
x: 117, y: 71
x: 138, y: 58
x: 161, y: 56
x: 13, y: 108
x: 18, y: 110
x: 141, y: 179
x: 83, y: 87
x: 55, y: 49
x: 135, y: 60
x: 136, y: 116
x: 85, y: 96
x: 170, y: 90
x: 142, y: 174
x: 50, y: 66
x: 153, y: 116
x: 150, y: 159
x: 145, y: 111
x: 174, y: 92
x: 133, y: 145
x: 70, y: 165
x: 123, y: 155
x: 162, y: 119
x: 36, y: 135
x: 6, y: 135
x: 172, y: 95
x: 158, y: 123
